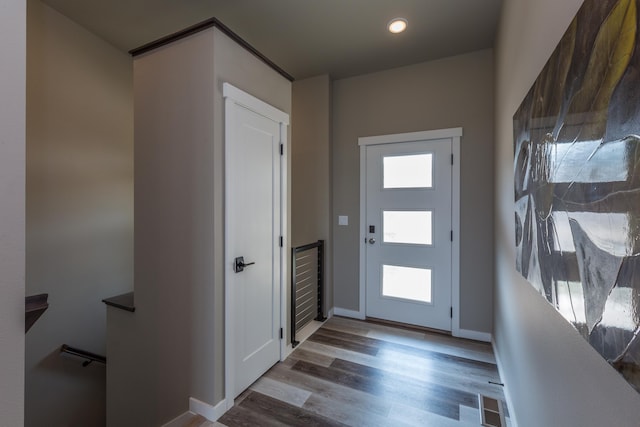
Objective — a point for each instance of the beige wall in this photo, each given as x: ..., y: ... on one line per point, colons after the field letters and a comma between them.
x: 311, y: 168
x: 453, y: 92
x: 555, y: 378
x: 242, y: 69
x: 79, y: 209
x: 172, y: 347
x: 12, y: 210
x: 152, y: 351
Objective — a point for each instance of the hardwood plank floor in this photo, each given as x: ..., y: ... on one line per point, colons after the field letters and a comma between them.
x: 357, y: 373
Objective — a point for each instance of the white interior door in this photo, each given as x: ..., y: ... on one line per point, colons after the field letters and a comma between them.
x: 408, y: 232
x: 253, y: 252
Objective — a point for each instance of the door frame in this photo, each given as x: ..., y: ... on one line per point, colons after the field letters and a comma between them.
x: 234, y: 96
x: 455, y: 134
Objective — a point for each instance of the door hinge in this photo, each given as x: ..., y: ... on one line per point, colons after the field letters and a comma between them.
x: 451, y: 313
x: 452, y: 235
x: 281, y: 333
x: 281, y: 241
x: 281, y: 149
x: 452, y: 159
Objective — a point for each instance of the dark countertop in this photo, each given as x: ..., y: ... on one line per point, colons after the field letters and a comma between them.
x: 123, y: 302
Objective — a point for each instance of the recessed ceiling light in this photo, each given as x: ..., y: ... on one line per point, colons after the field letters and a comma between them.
x: 397, y: 25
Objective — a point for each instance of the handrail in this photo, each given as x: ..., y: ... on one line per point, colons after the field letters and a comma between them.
x: 307, y: 303
x: 87, y: 355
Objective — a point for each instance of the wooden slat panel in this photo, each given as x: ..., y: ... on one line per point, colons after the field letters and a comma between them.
x: 272, y: 409
x: 406, y: 349
x: 378, y: 388
x: 339, y: 342
x: 364, y: 374
x: 338, y: 393
x: 285, y: 392
x: 413, y: 367
x: 407, y: 384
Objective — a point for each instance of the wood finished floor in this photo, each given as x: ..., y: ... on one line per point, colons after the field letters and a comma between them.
x: 358, y: 373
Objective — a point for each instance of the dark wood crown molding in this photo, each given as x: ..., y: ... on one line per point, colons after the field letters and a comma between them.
x: 212, y: 22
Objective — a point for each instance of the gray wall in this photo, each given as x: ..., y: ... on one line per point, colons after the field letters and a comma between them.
x: 172, y: 347
x: 311, y: 168
x: 12, y: 210
x: 242, y: 69
x: 152, y: 351
x: 453, y: 92
x: 79, y: 210
x: 553, y: 375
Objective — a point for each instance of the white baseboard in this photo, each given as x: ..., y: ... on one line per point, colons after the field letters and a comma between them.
x: 473, y: 335
x: 507, y: 395
x: 288, y: 349
x: 212, y: 413
x: 348, y: 313
x: 330, y: 313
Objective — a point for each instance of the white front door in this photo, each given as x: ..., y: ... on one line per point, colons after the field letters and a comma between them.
x: 254, y: 228
x: 408, y: 232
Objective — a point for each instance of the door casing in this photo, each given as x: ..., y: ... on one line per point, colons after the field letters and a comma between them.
x: 233, y: 95
x: 455, y: 134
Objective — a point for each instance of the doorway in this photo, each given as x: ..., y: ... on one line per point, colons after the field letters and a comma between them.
x: 255, y: 261
x: 409, y: 228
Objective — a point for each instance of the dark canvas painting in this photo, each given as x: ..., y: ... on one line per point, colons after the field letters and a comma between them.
x: 577, y: 181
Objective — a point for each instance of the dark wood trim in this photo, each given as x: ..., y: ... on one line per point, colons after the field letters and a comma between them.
x: 173, y: 37
x: 399, y: 325
x: 212, y: 22
x: 303, y: 248
x: 123, y: 302
x: 35, y: 305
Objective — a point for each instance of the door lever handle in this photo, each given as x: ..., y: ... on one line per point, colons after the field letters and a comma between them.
x: 239, y: 265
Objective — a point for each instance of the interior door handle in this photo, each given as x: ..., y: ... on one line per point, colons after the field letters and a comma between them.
x: 239, y: 264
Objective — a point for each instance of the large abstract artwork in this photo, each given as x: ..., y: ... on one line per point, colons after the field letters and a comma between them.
x: 577, y: 181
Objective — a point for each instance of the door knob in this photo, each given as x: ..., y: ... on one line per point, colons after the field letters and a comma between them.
x: 239, y: 264
x: 372, y: 241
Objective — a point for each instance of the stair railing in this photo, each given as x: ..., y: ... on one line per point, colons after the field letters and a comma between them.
x: 307, y: 286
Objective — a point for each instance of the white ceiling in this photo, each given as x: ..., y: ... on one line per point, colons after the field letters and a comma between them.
x: 305, y: 37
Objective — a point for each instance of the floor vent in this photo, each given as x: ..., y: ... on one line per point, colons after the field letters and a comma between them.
x: 491, y: 413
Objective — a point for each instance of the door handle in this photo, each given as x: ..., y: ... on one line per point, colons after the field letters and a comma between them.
x: 239, y: 265
x: 372, y: 241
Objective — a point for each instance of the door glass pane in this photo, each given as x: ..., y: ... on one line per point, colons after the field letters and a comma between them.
x: 407, y: 227
x: 413, y: 171
x: 406, y: 282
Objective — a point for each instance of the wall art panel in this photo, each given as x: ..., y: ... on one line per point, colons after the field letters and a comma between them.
x: 577, y: 181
